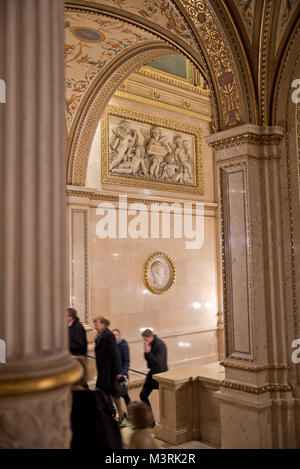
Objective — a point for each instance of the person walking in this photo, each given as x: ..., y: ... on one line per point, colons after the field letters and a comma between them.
x: 155, y: 353
x: 125, y: 358
x: 108, y: 362
x: 77, y: 334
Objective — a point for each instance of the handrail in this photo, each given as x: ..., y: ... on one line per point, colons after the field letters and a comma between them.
x: 130, y: 369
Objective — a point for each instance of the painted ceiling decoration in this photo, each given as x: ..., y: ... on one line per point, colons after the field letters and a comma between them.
x: 206, y: 31
x: 91, y: 41
x: 287, y: 10
x: 246, y: 10
x: 81, y: 35
x: 160, y: 12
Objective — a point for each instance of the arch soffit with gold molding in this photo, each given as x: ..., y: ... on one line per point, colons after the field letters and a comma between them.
x: 94, y: 105
x: 224, y: 83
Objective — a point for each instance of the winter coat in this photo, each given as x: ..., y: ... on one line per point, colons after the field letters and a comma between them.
x: 77, y: 337
x: 125, y: 355
x: 107, y: 360
x: 157, y: 357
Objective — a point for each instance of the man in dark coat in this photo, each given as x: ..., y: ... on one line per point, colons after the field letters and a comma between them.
x: 77, y: 334
x: 156, y: 356
x: 107, y: 357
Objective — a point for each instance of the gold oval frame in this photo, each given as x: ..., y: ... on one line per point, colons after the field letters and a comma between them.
x: 145, y: 272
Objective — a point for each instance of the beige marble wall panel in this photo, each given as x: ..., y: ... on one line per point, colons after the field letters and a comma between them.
x: 185, y: 317
x: 79, y: 259
x: 238, y: 255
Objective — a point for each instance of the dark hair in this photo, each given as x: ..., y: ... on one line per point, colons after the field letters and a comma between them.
x: 147, y: 333
x: 117, y: 330
x: 104, y: 321
x: 72, y: 313
x: 139, y: 414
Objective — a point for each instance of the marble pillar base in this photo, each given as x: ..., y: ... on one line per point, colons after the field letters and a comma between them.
x: 246, y: 418
x: 188, y: 407
x: 36, y: 421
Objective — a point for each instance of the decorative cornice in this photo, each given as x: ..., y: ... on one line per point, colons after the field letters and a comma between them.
x: 256, y: 390
x: 115, y: 198
x: 168, y: 107
x: 254, y: 368
x: 228, y: 142
x: 163, y: 77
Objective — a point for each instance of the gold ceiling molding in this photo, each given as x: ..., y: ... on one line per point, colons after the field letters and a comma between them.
x: 42, y: 383
x: 168, y: 107
x: 263, y: 59
x: 244, y: 65
x: 163, y: 77
x: 94, y: 105
x: 219, y: 58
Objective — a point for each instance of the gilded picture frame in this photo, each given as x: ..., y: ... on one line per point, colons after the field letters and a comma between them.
x: 150, y: 152
x: 159, y: 273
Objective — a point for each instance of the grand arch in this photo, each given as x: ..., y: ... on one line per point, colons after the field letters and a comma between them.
x: 233, y: 98
x: 257, y: 160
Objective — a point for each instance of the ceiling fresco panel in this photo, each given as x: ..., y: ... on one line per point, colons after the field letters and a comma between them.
x: 160, y: 12
x: 91, y: 42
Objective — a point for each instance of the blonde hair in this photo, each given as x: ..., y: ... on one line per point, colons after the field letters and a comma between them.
x: 102, y: 319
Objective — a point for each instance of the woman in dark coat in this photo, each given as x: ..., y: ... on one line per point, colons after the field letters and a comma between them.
x: 91, y: 419
x: 107, y: 359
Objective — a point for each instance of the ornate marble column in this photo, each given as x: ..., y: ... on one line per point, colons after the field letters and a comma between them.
x: 35, y: 380
x: 256, y: 400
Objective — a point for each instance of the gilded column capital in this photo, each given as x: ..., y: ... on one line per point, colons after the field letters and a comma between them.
x: 246, y: 141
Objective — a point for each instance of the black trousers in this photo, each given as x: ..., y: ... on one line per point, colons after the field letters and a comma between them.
x: 148, y: 387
